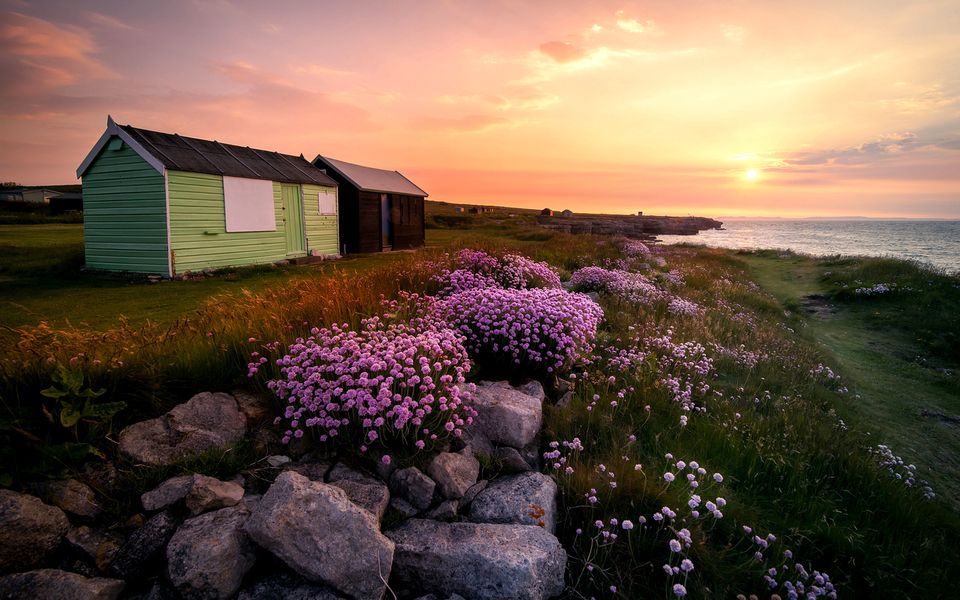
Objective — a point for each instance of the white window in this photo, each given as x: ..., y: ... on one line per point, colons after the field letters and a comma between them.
x: 248, y: 204
x: 327, y: 202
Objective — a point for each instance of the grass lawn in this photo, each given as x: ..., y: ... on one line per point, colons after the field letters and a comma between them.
x: 900, y: 387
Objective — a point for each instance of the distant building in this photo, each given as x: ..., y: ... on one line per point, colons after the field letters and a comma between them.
x: 458, y: 209
x: 66, y: 202
x: 566, y: 213
x: 546, y: 212
x: 479, y: 210
x: 639, y: 213
x: 39, y: 195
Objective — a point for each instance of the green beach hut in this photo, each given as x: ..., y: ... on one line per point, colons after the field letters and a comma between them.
x: 168, y: 204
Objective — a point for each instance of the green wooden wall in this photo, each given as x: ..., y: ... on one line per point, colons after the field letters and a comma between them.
x: 124, y: 213
x: 322, y: 232
x: 198, y: 232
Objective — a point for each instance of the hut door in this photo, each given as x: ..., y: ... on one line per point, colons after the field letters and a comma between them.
x: 292, y: 218
x: 386, y: 221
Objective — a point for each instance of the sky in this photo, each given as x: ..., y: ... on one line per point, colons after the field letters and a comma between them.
x: 723, y: 108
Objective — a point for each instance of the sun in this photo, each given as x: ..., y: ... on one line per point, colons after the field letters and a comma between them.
x: 751, y: 175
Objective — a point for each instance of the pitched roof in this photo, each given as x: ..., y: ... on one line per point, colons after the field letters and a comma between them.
x: 370, y: 179
x: 180, y: 153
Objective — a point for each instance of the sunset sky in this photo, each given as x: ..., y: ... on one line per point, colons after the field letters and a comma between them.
x: 675, y: 107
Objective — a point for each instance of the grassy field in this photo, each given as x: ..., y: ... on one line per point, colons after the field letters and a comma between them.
x: 729, y: 364
x: 896, y: 355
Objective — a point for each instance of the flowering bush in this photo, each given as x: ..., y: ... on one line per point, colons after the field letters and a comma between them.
x: 478, y: 269
x: 594, y: 279
x: 543, y: 330
x: 382, y: 382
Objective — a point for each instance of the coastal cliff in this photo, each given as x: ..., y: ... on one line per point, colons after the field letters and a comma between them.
x: 629, y: 225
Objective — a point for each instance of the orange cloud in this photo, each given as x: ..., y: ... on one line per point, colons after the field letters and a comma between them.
x: 562, y: 52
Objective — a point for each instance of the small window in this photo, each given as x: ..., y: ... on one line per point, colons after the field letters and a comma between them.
x: 248, y: 205
x: 327, y: 202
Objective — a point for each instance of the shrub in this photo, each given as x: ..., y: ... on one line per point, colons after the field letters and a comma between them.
x: 383, y: 383
x: 477, y: 269
x: 540, y: 330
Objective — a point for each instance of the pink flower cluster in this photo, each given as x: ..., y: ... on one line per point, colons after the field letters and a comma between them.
x: 384, y: 381
x: 540, y: 329
x: 594, y: 279
x: 474, y: 269
x: 632, y: 287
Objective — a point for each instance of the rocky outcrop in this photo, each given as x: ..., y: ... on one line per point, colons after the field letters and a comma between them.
x: 478, y: 561
x: 315, y: 529
x: 642, y: 227
x: 208, y: 421
x: 527, y: 499
x: 29, y: 530
x: 209, y: 555
x: 53, y: 584
x: 506, y: 415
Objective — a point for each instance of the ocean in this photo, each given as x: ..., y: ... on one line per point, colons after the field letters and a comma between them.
x: 935, y: 243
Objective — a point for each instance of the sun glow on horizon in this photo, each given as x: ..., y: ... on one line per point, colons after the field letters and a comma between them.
x: 751, y: 175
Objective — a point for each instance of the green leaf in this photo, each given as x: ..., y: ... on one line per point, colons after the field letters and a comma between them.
x: 70, y: 415
x: 52, y: 392
x: 103, y: 411
x: 88, y: 393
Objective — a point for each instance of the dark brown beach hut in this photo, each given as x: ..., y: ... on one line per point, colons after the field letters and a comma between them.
x: 380, y: 210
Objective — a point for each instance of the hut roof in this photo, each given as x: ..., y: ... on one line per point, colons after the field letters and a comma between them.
x: 181, y: 153
x: 370, y: 179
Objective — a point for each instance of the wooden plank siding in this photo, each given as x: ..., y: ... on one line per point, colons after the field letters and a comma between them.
x: 407, y: 215
x: 369, y: 222
x: 124, y: 224
x: 322, y: 230
x: 198, y: 232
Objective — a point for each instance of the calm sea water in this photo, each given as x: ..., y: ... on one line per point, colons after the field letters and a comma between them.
x: 933, y: 242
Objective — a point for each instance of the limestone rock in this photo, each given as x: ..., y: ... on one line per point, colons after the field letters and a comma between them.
x: 373, y: 497
x: 143, y: 547
x: 312, y: 470
x: 209, y: 555
x: 533, y: 388
x: 507, y: 416
x: 478, y: 561
x: 413, y: 486
x: 403, y: 507
x: 343, y: 472
x: 69, y: 495
x: 472, y: 493
x: 474, y: 442
x: 454, y: 473
x: 257, y: 409
x: 445, y: 511
x: 209, y: 493
x: 167, y: 493
x: 316, y: 530
x: 282, y: 586
x: 527, y: 498
x: 208, y: 421
x: 29, y: 530
x: 278, y: 460
x: 53, y: 584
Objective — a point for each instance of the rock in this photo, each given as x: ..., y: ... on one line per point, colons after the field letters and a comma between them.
x: 101, y: 475
x: 251, y: 501
x: 531, y: 453
x: 384, y: 469
x: 53, y: 584
x: 474, y: 442
x: 478, y: 561
x: 527, y: 499
x: 96, y: 545
x: 314, y: 471
x: 510, y: 460
x: 167, y: 493
x: 278, y: 460
x: 372, y: 497
x: 209, y: 493
x: 282, y: 586
x: 403, y: 507
x: 69, y: 495
x: 143, y: 547
x: 256, y: 409
x: 29, y: 530
x: 445, y: 511
x: 343, y: 472
x: 595, y: 296
x: 533, y: 388
x: 208, y: 421
x: 413, y: 486
x: 507, y: 416
x: 565, y: 400
x: 209, y: 555
x: 316, y: 530
x: 472, y: 492
x: 454, y: 473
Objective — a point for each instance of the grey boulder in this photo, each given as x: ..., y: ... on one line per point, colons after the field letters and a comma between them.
x: 478, y: 561
x: 315, y: 529
x: 454, y: 473
x: 527, y: 499
x: 209, y: 493
x: 506, y: 415
x: 143, y: 547
x: 413, y: 486
x: 282, y: 586
x: 208, y: 421
x: 209, y: 555
x: 69, y: 495
x: 53, y: 584
x: 29, y: 530
x: 373, y: 497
